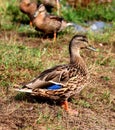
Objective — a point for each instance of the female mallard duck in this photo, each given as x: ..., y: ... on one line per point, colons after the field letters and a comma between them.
x: 63, y: 81
x: 49, y: 23
x: 29, y: 8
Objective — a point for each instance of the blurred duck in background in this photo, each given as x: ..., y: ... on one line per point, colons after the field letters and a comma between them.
x: 49, y: 24
x: 29, y: 8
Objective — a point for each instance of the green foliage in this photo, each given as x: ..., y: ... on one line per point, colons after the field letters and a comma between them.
x: 16, y: 61
x: 105, y: 60
x: 106, y: 97
x: 19, y: 56
x: 103, y: 12
x: 15, y: 13
x: 11, y: 15
x: 84, y: 103
x: 112, y: 62
x: 106, y: 78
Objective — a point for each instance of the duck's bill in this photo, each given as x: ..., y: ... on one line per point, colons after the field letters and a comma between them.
x: 91, y: 48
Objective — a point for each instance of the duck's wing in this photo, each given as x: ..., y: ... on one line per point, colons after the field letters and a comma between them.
x: 56, y: 75
x: 56, y: 17
x: 55, y: 23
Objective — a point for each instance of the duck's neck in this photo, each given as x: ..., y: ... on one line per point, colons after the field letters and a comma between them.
x: 43, y: 14
x: 77, y: 60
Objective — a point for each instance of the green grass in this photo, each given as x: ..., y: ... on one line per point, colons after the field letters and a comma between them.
x: 11, y: 16
x: 19, y: 56
x: 14, y: 59
x: 104, y: 12
x: 106, y: 96
x: 83, y: 103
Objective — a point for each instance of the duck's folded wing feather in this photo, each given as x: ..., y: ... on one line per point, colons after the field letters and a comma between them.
x: 56, y: 17
x: 56, y: 75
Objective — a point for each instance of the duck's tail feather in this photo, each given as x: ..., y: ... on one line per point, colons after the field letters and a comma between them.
x: 25, y: 90
x: 65, y: 25
x: 71, y: 24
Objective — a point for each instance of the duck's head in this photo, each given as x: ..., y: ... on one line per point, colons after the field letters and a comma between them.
x: 41, y: 10
x: 79, y: 42
x: 25, y: 1
x: 28, y: 7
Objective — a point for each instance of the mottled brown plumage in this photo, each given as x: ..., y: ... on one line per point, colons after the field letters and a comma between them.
x: 28, y: 7
x: 73, y: 77
x: 48, y: 23
x: 41, y: 19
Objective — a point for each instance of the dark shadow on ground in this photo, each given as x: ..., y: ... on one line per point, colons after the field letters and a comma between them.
x: 35, y: 35
x: 33, y: 99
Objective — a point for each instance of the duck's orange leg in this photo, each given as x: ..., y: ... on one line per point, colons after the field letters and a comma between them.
x: 31, y: 24
x: 65, y: 105
x: 69, y: 110
x: 54, y: 37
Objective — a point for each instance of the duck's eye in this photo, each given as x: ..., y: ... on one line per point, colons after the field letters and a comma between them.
x: 85, y: 40
x: 82, y: 47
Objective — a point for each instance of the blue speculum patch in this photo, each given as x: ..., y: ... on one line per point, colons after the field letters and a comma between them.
x: 54, y: 87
